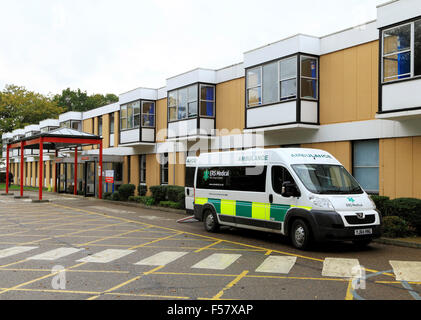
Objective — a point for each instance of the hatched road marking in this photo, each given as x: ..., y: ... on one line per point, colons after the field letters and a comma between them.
x: 344, y: 268
x: 106, y: 256
x: 406, y: 270
x: 161, y: 259
x: 55, y: 254
x: 217, y: 261
x: 14, y: 251
x: 277, y: 264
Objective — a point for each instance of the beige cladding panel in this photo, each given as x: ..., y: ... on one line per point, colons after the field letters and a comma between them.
x: 88, y: 127
x: 176, y: 162
x: 161, y: 120
x: 340, y: 150
x: 134, y: 171
x: 400, y: 173
x: 125, y: 170
x: 152, y: 171
x: 230, y: 106
x: 95, y: 130
x: 106, y: 130
x: 349, y: 84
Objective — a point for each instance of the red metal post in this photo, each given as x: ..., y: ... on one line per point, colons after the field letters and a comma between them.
x: 21, y: 168
x: 41, y: 166
x: 56, y: 173
x: 7, y: 169
x: 75, y: 188
x: 100, y: 171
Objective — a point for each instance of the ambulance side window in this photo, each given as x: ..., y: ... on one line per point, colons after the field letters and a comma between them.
x: 279, y: 176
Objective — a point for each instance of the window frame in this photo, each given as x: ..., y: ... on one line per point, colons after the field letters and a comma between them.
x: 198, y: 86
x: 140, y: 114
x: 374, y: 192
x: 412, y: 75
x: 142, y: 169
x: 303, y: 56
x: 162, y: 168
x: 148, y: 114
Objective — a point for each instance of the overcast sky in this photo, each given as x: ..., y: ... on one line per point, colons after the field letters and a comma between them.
x: 113, y: 46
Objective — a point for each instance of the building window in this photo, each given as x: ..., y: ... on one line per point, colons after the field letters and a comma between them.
x: 76, y: 125
x: 164, y: 169
x: 288, y: 78
x: 100, y: 126
x: 130, y: 116
x: 366, y: 164
x: 112, y: 123
x: 142, y: 168
x: 129, y: 167
x: 277, y: 81
x: 309, y: 78
x: 183, y: 103
x: 207, y: 100
x: 148, y: 114
x: 402, y: 52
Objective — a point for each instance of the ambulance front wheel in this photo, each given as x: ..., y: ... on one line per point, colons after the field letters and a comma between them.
x: 210, y: 221
x: 300, y: 234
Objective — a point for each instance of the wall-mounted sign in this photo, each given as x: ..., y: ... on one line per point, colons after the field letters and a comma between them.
x: 109, y: 176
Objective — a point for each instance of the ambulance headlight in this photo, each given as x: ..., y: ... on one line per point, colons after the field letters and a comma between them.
x: 322, y: 203
x: 374, y: 207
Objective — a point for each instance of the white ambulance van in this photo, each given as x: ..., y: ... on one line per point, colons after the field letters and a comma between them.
x: 305, y: 194
x: 191, y: 163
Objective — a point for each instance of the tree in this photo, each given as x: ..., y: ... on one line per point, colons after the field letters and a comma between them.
x: 77, y: 100
x: 20, y: 107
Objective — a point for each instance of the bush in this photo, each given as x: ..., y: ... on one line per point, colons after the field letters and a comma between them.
x: 170, y: 204
x: 126, y: 190
x: 132, y: 198
x: 396, y: 227
x: 149, y: 201
x: 116, y: 196
x: 159, y: 193
x: 107, y: 195
x: 408, y: 209
x: 142, y: 190
x: 382, y: 204
x: 177, y: 194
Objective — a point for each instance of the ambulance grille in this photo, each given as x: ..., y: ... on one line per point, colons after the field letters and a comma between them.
x: 371, y: 218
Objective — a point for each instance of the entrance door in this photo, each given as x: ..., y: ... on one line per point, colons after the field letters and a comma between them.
x: 89, y: 177
x: 62, y: 178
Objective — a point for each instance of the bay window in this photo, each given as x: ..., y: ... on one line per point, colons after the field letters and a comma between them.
x: 277, y: 81
x: 148, y: 114
x: 137, y: 114
x: 184, y: 103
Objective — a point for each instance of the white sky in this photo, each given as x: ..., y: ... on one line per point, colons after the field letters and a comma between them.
x: 113, y: 46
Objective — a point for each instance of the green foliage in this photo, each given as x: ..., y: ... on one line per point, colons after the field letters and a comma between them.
x: 396, y: 227
x: 126, y: 190
x: 408, y: 209
x: 20, y: 107
x: 170, y: 204
x: 177, y: 194
x: 159, y: 193
x: 142, y: 190
x: 149, y: 201
x: 116, y: 196
x: 132, y: 198
x: 382, y: 203
x: 77, y: 100
x: 107, y: 195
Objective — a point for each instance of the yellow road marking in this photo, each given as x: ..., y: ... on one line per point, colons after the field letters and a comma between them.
x: 80, y: 270
x: 125, y: 283
x: 40, y: 278
x: 230, y: 285
x: 349, y: 295
x: 111, y: 237
x: 268, y: 253
x: 208, y: 246
x: 13, y: 263
x: 156, y: 240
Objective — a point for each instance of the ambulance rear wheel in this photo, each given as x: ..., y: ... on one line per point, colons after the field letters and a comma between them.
x: 300, y: 234
x: 210, y: 221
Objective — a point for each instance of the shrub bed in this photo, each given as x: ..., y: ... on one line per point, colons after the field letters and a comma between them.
x: 170, y: 204
x: 126, y: 191
x: 396, y: 227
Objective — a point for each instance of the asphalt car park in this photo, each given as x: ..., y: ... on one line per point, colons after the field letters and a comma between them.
x: 76, y: 248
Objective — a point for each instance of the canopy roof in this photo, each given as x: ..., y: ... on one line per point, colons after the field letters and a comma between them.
x: 57, y: 139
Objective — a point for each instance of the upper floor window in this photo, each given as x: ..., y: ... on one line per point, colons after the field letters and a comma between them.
x: 402, y: 52
x: 137, y: 114
x: 183, y: 103
x: 277, y: 81
x: 148, y: 114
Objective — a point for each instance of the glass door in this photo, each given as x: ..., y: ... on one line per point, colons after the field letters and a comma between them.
x: 89, y: 179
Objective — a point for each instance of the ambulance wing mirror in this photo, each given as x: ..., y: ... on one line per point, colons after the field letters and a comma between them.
x: 290, y: 189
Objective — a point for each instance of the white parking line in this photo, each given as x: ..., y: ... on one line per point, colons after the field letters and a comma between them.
x: 106, y: 256
x: 406, y: 270
x: 161, y: 259
x: 14, y: 250
x: 343, y: 268
x: 217, y: 261
x: 277, y: 264
x: 55, y: 254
